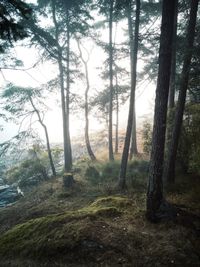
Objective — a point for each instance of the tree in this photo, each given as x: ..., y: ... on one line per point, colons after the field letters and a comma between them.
x: 155, y: 184
x: 21, y: 105
x: 69, y: 18
x: 85, y: 63
x: 171, y: 159
x: 110, y: 139
x: 134, y: 50
x: 133, y: 60
x: 106, y: 7
x: 12, y: 28
x: 172, y: 84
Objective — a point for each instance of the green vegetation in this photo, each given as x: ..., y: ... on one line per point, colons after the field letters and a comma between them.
x: 109, y: 229
x: 29, y: 172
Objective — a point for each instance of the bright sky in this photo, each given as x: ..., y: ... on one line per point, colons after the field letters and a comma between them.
x: 47, y: 71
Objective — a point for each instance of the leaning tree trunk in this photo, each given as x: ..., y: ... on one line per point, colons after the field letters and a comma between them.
x: 110, y: 138
x: 46, y: 136
x: 155, y: 184
x: 123, y: 167
x: 62, y: 90
x: 87, y: 139
x: 171, y: 159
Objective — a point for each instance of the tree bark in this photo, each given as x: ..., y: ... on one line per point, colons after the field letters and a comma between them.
x: 87, y: 139
x: 133, y: 148
x: 46, y: 136
x: 110, y: 138
x: 155, y: 183
x: 172, y: 153
x: 172, y: 87
x: 172, y: 83
x: 67, y: 163
x: 69, y: 149
x: 122, y: 174
x: 117, y: 118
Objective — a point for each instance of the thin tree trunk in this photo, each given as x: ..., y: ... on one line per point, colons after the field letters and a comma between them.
x: 122, y: 174
x: 46, y: 136
x: 62, y: 90
x: 171, y: 159
x: 110, y: 138
x: 117, y: 117
x: 155, y: 183
x: 133, y: 149
x: 69, y: 149
x: 87, y: 139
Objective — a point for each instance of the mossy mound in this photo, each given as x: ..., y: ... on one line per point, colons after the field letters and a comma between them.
x: 119, y: 202
x: 63, y: 234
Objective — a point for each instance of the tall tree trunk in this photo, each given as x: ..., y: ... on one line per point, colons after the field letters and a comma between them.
x: 155, y: 184
x: 110, y: 138
x: 122, y: 174
x: 172, y: 83
x: 171, y: 159
x: 117, y: 117
x: 69, y: 150
x: 172, y: 87
x: 87, y: 139
x: 62, y: 90
x: 133, y: 148
x: 46, y: 136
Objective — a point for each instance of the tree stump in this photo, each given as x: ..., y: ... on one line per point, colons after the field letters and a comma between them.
x: 68, y: 180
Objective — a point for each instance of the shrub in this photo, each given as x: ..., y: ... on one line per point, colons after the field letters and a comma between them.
x: 147, y: 137
x: 29, y: 172
x: 110, y: 171
x: 92, y: 175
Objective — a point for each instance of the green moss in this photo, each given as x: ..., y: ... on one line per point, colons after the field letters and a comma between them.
x: 112, y: 201
x: 50, y: 235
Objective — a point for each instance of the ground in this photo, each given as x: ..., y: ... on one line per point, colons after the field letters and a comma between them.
x: 91, y: 226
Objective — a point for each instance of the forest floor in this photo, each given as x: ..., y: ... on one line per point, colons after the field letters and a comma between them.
x: 96, y: 226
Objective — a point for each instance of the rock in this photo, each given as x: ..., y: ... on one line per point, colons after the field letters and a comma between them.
x: 8, y: 194
x: 1, y: 181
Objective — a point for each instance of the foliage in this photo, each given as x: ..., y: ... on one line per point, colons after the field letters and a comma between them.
x: 12, y: 27
x: 147, y: 136
x: 29, y: 172
x: 92, y: 175
x: 110, y: 171
x: 106, y: 174
x: 189, y: 146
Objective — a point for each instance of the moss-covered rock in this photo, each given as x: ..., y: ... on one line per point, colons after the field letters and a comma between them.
x: 62, y: 233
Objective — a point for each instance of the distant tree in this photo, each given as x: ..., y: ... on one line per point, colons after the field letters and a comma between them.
x: 85, y: 63
x: 68, y: 19
x: 134, y: 41
x: 171, y: 159
x: 21, y: 105
x: 106, y: 7
x: 134, y: 50
x: 155, y: 184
